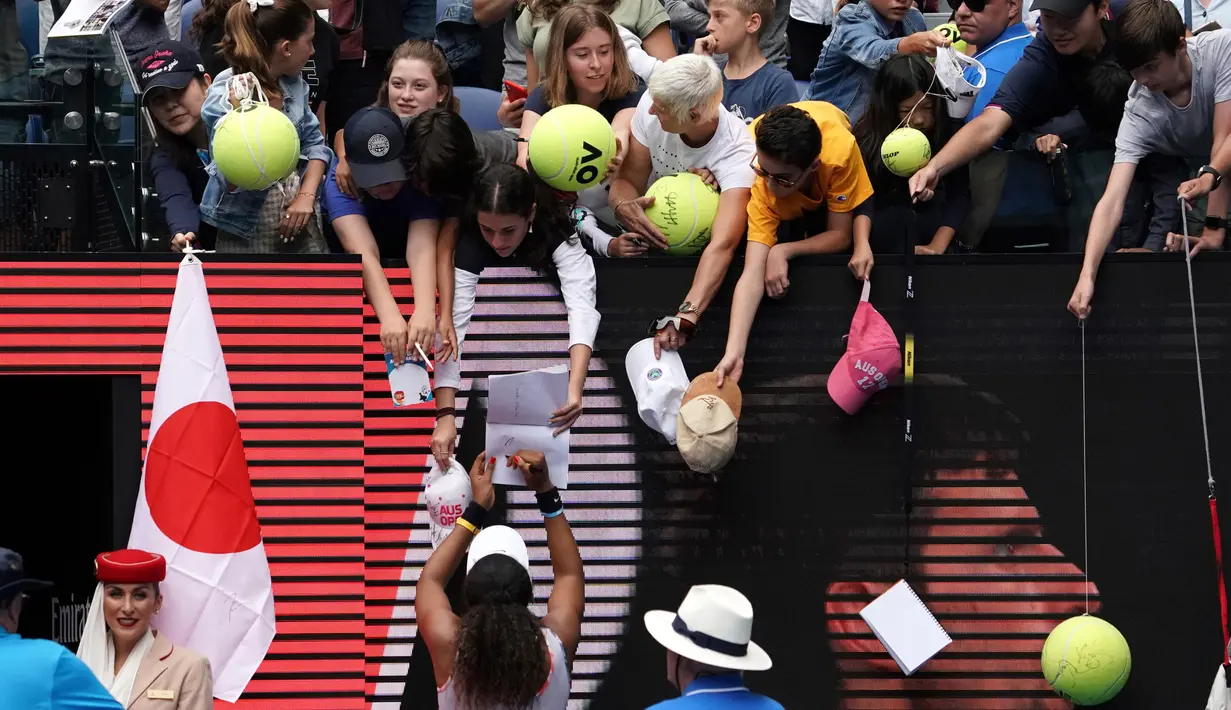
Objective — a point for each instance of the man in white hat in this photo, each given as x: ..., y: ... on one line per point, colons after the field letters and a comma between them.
x: 709, y: 645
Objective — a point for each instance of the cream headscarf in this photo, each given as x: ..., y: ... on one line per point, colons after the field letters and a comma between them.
x: 98, y: 652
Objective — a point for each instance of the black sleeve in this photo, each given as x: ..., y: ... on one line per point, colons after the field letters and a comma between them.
x: 957, y: 198
x: 611, y: 107
x: 537, y: 101
x: 215, y: 63
x: 472, y: 253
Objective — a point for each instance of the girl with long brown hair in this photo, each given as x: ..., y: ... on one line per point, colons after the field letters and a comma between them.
x: 270, y: 40
x: 644, y: 18
x: 586, y: 65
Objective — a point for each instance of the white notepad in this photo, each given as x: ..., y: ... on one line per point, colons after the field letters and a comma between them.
x: 906, y: 627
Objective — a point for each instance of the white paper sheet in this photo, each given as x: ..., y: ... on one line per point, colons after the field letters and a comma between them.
x: 519, y: 408
x: 86, y: 18
x: 906, y: 627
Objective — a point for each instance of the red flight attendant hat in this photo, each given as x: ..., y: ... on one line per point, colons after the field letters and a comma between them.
x: 130, y: 567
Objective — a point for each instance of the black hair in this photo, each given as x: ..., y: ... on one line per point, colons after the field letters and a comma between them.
x: 1146, y: 27
x: 789, y: 135
x: 505, y: 188
x: 1101, y: 101
x: 440, y: 156
x: 502, y: 658
x: 898, y: 79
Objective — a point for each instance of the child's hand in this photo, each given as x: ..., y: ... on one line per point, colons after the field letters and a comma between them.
x: 705, y: 46
x: 923, y: 43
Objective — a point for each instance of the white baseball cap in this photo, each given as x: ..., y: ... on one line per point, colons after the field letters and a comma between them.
x: 659, y: 386
x: 498, y: 540
x: 446, y: 495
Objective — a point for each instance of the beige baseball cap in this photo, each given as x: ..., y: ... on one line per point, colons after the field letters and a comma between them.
x: 707, y: 426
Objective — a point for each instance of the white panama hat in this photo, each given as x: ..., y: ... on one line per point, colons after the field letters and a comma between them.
x: 713, y: 626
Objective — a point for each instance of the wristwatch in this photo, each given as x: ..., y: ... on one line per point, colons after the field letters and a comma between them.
x: 1212, y: 222
x: 688, y: 307
x: 1209, y: 170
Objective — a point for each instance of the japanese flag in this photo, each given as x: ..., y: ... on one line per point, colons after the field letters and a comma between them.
x: 196, y: 508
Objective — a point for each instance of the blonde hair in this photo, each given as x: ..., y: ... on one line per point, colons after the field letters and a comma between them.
x: 431, y: 55
x: 546, y: 9
x: 569, y: 25
x: 748, y: 8
x: 251, y: 37
x: 687, y: 83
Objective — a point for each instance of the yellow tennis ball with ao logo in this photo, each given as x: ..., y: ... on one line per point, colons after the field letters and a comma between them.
x: 950, y: 32
x: 1086, y: 660
x: 905, y: 151
x: 255, y: 146
x: 683, y: 210
x: 570, y: 147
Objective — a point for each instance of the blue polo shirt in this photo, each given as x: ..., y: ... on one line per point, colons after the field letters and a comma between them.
x: 718, y: 692
x: 389, y: 220
x: 36, y: 673
x: 999, y: 57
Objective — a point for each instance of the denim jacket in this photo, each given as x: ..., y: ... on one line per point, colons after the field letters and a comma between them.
x: 457, y: 32
x: 861, y: 41
x: 236, y: 212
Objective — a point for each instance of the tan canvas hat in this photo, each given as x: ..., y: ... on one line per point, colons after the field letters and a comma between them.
x: 707, y: 426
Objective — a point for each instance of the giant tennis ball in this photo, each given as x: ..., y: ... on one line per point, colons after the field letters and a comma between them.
x: 255, y: 146
x: 683, y: 210
x: 570, y: 147
x: 905, y: 151
x: 950, y: 32
x: 1086, y: 660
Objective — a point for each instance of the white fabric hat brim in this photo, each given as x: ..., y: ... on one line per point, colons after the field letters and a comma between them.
x: 658, y: 623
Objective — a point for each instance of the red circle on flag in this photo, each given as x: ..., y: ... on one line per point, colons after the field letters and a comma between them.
x: 196, y: 481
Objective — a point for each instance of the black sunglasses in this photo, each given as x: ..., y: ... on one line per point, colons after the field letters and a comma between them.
x: 972, y: 5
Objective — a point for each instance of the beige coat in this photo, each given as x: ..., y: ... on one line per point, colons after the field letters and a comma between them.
x: 172, y: 678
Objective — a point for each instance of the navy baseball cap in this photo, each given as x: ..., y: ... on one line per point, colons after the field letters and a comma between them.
x: 13, y: 577
x: 374, y: 140
x: 1071, y: 9
x: 169, y: 64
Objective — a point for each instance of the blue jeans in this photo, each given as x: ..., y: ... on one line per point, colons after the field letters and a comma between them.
x: 419, y: 19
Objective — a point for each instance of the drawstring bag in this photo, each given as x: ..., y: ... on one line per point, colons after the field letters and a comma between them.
x: 951, y: 66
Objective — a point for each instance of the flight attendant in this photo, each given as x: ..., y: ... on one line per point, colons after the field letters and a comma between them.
x: 141, y: 668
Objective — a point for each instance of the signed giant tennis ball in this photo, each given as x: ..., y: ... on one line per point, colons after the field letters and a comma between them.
x: 570, y: 147
x: 1086, y: 660
x: 905, y: 151
x: 950, y: 32
x: 683, y: 210
x: 255, y: 146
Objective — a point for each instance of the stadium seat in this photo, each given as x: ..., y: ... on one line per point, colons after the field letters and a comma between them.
x: 189, y: 11
x: 479, y: 107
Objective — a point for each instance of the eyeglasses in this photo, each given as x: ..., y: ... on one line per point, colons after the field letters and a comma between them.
x: 776, y: 178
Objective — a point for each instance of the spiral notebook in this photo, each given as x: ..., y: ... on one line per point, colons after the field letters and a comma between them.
x: 906, y: 627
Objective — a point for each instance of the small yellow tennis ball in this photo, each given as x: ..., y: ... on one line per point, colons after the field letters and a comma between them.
x: 950, y: 32
x: 1086, y: 660
x: 683, y: 210
x: 905, y: 151
x: 570, y: 147
x: 255, y: 146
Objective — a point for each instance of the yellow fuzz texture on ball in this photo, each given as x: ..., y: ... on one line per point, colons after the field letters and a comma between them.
x: 255, y: 146
x: 950, y: 32
x: 570, y: 147
x: 683, y: 210
x: 905, y: 151
x: 1086, y: 660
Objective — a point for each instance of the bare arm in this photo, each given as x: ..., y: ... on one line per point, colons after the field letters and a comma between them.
x: 313, y: 176
x: 728, y: 230
x: 634, y: 174
x: 659, y: 44
x: 1106, y: 217
x: 532, y: 70
x: 356, y: 237
x: 973, y: 140
x: 434, y: 615
x: 744, y: 304
x: 446, y: 245
x: 489, y: 12
x: 529, y: 120
x: 568, y: 594
x: 836, y: 237
x: 421, y: 256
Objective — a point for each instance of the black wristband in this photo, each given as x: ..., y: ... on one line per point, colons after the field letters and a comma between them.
x: 476, y: 515
x: 549, y: 502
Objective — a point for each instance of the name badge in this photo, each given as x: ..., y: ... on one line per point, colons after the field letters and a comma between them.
x: 156, y: 694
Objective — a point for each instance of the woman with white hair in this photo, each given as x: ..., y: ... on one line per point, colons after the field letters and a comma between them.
x: 681, y: 126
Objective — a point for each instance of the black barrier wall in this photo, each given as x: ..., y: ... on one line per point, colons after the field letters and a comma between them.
x: 820, y: 511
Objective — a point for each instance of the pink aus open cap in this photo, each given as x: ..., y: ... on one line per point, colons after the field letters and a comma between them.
x: 873, y: 358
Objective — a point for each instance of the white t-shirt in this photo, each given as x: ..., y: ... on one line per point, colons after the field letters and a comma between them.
x: 1152, y: 124
x: 728, y: 155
